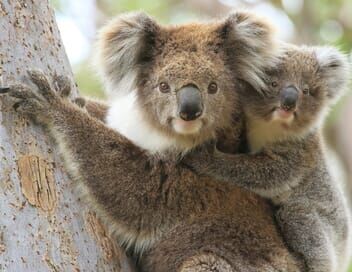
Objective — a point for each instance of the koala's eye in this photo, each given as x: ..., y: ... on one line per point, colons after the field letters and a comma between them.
x: 306, y: 91
x: 212, y: 88
x: 164, y: 87
x: 274, y: 84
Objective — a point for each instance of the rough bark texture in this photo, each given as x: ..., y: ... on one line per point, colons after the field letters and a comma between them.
x: 43, y: 225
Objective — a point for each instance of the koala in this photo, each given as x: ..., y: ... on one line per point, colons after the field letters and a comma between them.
x: 171, y: 89
x: 287, y: 161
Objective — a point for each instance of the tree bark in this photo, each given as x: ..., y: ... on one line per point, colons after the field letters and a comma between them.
x: 43, y: 224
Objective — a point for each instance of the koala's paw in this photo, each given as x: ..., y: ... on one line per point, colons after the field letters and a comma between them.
x: 62, y: 85
x: 37, y: 103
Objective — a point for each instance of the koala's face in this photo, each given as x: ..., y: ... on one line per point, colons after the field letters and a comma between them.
x: 301, y: 89
x: 189, y: 89
x: 185, y: 77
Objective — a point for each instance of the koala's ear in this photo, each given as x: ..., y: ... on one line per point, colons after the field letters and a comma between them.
x: 251, y: 46
x: 124, y: 44
x: 333, y: 69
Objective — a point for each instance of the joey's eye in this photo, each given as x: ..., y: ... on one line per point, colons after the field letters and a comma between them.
x: 305, y: 91
x: 274, y: 84
x: 212, y: 88
x: 164, y: 87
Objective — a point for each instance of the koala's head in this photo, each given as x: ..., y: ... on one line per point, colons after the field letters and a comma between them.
x: 184, y: 78
x: 306, y: 82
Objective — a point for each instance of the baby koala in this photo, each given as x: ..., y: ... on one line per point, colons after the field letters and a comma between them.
x: 287, y: 161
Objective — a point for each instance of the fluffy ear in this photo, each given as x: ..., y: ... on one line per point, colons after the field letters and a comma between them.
x: 334, y: 70
x: 124, y: 44
x: 251, y: 46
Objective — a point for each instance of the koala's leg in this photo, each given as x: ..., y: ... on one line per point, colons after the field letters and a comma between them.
x: 305, y: 234
x: 220, y: 244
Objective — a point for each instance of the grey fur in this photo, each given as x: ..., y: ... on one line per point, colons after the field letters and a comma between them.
x: 290, y: 166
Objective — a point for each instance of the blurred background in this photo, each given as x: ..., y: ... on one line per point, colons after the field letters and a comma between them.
x: 312, y: 22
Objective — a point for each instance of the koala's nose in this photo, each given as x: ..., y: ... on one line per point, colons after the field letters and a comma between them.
x: 289, y: 98
x: 190, y: 105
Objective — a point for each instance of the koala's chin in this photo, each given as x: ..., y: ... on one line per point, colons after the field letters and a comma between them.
x: 187, y: 127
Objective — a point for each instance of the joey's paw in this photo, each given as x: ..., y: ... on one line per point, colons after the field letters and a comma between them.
x: 36, y: 102
x: 201, y: 157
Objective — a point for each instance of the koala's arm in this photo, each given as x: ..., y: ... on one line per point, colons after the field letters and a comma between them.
x: 116, y: 173
x: 96, y: 108
x: 267, y: 173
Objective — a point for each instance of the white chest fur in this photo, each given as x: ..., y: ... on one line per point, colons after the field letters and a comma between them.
x: 125, y: 116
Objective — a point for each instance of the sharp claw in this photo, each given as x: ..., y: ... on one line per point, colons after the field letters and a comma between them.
x: 62, y: 85
x: 42, y: 83
x: 80, y: 101
x: 34, y: 72
x: 37, y: 76
x: 4, y: 90
x: 16, y: 105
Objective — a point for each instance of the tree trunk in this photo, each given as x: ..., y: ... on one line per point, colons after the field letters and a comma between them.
x: 43, y: 225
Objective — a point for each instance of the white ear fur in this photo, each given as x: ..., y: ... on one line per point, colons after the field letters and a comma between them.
x: 255, y: 48
x: 120, y: 48
x: 334, y: 69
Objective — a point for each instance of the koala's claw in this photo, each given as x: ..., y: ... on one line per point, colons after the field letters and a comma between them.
x: 38, y: 103
x: 20, y: 91
x: 4, y: 90
x: 25, y: 100
x: 80, y: 102
x: 42, y: 102
x: 62, y: 85
x: 42, y: 82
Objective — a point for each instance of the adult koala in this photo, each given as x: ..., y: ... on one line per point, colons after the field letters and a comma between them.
x: 172, y: 89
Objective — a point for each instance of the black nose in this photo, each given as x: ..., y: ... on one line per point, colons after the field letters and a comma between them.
x: 289, y: 97
x: 190, y: 105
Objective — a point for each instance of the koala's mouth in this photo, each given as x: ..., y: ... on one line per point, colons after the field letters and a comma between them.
x: 283, y: 114
x: 183, y: 127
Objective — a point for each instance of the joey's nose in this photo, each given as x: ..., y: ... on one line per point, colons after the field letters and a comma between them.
x: 289, y: 98
x: 190, y: 105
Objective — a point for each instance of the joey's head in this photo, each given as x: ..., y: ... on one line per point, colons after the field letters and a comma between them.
x: 182, y: 79
x: 301, y: 89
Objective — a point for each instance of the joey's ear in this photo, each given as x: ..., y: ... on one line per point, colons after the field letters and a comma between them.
x: 124, y: 44
x: 251, y: 46
x: 333, y: 69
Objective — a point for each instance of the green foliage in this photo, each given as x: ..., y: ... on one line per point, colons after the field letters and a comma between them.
x: 56, y: 4
x: 157, y: 8
x: 87, y: 81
